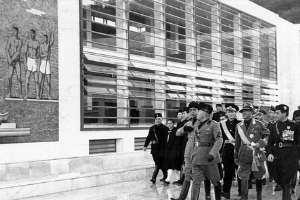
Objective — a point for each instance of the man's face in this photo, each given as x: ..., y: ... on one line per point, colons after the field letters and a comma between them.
x: 201, y: 115
x: 279, y: 115
x: 230, y: 114
x: 179, y: 116
x: 297, y: 120
x: 247, y: 114
x: 15, y: 32
x: 32, y: 34
x: 170, y: 125
x: 193, y: 112
x: 45, y: 39
x: 219, y: 108
x: 271, y: 114
x: 158, y: 120
x: 260, y: 116
x: 184, y: 114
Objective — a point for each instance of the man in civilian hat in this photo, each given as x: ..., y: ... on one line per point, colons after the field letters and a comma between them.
x: 188, y: 129
x: 219, y: 113
x: 283, y: 146
x: 156, y: 136
x: 228, y: 132
x: 250, y: 136
x: 207, y: 143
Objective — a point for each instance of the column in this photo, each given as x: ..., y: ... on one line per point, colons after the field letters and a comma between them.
x: 88, y: 26
x: 190, y: 34
x: 216, y: 40
x: 238, y: 45
x: 121, y: 42
x: 160, y: 54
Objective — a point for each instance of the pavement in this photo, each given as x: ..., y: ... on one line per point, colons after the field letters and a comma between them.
x: 145, y: 190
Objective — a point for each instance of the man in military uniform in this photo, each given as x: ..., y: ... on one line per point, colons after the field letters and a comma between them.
x: 250, y: 136
x: 219, y: 113
x: 296, y: 113
x: 283, y: 148
x: 205, y: 155
x: 228, y: 133
x: 188, y: 129
x: 260, y: 113
x: 157, y: 134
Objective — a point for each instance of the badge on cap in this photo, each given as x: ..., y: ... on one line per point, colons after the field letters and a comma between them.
x: 288, y: 127
x: 284, y: 107
x: 251, y: 136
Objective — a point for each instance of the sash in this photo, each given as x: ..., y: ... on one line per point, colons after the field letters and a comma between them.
x: 255, y: 162
x: 229, y: 136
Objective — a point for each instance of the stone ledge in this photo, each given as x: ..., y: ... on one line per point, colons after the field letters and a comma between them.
x: 8, y: 132
x: 32, y: 100
x: 33, y: 188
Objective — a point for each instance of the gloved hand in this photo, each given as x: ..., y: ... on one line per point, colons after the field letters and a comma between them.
x: 210, y: 157
x: 188, y: 128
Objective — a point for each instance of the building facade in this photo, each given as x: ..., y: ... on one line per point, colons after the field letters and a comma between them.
x: 122, y: 61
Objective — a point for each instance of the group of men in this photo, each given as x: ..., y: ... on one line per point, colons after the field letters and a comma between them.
x: 244, y: 146
x: 36, y: 61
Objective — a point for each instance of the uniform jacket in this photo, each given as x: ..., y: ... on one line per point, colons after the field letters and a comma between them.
x: 209, y: 132
x: 288, y: 157
x: 190, y: 135
x: 228, y: 150
x: 158, y: 141
x: 255, y: 133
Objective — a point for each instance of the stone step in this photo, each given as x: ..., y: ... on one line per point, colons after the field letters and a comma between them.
x: 10, y: 190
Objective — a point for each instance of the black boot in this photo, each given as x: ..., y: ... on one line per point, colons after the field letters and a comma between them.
x: 207, y: 188
x: 195, y: 193
x: 154, y: 175
x: 259, y: 184
x: 286, y: 193
x: 218, y: 191
x: 184, y: 190
x: 165, y: 175
x: 244, y: 190
x: 239, y: 186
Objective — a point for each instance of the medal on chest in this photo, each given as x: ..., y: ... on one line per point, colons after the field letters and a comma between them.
x: 251, y: 136
x: 288, y: 134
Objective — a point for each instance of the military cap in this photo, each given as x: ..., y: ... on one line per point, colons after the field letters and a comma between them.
x: 261, y: 111
x: 157, y: 115
x: 247, y: 106
x: 297, y: 114
x: 186, y: 109
x: 205, y: 107
x: 282, y: 108
x: 180, y: 111
x: 272, y: 108
x: 231, y: 107
x: 218, y: 105
x: 193, y: 104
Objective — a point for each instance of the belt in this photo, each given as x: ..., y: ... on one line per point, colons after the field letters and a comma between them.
x: 204, y: 144
x: 227, y: 142
x: 284, y: 145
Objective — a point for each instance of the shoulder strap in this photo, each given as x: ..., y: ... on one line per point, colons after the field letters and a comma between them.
x: 155, y: 133
x: 229, y: 136
x: 243, y: 137
x: 276, y: 125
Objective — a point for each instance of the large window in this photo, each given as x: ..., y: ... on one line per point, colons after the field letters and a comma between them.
x: 140, y: 57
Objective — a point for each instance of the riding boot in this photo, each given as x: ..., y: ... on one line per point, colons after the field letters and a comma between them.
x: 184, y: 190
x: 154, y: 175
x: 218, y: 191
x: 195, y: 193
x: 244, y: 190
x: 239, y: 186
x: 258, y: 189
x: 165, y: 175
x: 207, y: 188
x: 286, y: 193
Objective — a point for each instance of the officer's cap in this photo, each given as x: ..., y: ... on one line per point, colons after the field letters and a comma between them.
x: 157, y: 115
x: 231, y: 107
x: 282, y: 108
x: 247, y: 106
x: 186, y: 109
x: 205, y: 107
x: 180, y: 111
x: 193, y: 104
x: 261, y: 111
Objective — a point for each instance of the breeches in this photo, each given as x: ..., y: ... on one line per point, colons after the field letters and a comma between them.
x: 199, y: 172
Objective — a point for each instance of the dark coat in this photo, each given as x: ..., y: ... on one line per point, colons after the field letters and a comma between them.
x: 216, y: 116
x: 228, y: 149
x: 286, y: 159
x: 157, y: 135
x: 172, y: 156
x: 180, y: 124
